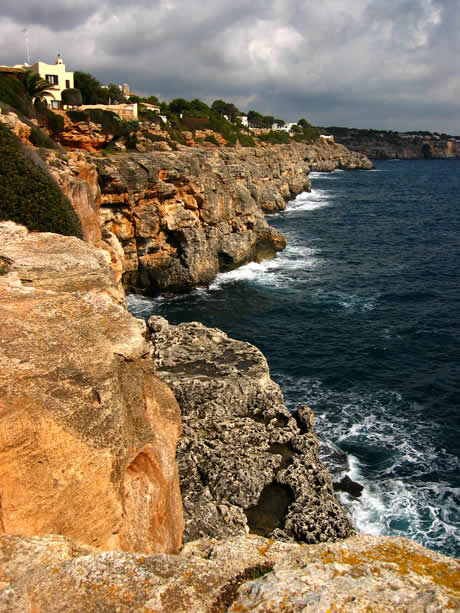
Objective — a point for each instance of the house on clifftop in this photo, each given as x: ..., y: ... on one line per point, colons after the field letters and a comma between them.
x: 57, y: 76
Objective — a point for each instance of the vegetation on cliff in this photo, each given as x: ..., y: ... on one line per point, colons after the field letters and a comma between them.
x: 28, y: 195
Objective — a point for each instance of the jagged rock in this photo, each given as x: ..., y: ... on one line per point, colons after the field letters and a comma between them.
x: 243, y: 458
x: 87, y: 431
x: 360, y: 574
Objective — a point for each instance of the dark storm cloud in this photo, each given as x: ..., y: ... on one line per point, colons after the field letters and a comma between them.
x: 362, y: 62
x: 56, y: 16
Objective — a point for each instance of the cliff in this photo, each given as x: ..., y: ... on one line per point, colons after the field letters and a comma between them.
x: 88, y: 433
x: 173, y: 220
x: 87, y: 452
x: 386, y: 145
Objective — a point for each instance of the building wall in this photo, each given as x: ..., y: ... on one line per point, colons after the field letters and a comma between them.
x: 58, y: 77
x: 124, y: 111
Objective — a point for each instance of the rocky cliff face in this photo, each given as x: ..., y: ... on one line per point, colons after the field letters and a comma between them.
x: 387, y: 146
x: 362, y: 574
x: 87, y: 431
x: 245, y: 462
x: 182, y: 217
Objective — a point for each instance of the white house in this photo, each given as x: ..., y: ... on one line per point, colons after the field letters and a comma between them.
x: 244, y: 120
x: 287, y: 127
x: 56, y: 75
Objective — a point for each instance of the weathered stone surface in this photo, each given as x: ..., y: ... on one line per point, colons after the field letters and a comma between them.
x: 360, y: 574
x: 87, y: 431
x: 241, y: 451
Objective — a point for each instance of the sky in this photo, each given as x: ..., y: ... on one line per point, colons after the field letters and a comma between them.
x: 384, y: 64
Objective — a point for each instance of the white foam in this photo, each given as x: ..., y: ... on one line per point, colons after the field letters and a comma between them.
x: 276, y: 272
x: 398, y: 496
x: 309, y: 201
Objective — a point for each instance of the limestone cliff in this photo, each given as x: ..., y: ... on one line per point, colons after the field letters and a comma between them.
x: 88, y: 433
x: 394, y: 145
x: 183, y: 216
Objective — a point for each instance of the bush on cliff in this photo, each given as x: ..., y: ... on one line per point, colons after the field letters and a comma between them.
x: 78, y: 116
x: 28, y: 195
x: 277, y: 137
x: 13, y: 94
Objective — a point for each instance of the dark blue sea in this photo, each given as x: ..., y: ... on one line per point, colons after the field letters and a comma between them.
x: 359, y: 318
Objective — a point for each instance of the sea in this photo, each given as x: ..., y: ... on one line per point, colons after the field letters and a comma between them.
x: 359, y: 319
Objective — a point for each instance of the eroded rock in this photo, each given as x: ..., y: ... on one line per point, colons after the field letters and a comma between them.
x: 87, y: 431
x: 241, y: 453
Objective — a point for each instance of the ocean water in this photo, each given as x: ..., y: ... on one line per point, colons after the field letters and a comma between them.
x: 360, y: 319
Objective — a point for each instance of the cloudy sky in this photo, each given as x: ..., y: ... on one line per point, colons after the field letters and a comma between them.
x: 391, y: 64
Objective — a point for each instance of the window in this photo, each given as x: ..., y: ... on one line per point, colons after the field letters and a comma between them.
x: 54, y: 104
x: 53, y: 79
x: 67, y: 84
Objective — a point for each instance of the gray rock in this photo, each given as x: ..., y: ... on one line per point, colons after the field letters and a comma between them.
x: 245, y: 462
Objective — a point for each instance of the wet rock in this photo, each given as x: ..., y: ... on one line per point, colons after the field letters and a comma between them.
x: 242, y: 454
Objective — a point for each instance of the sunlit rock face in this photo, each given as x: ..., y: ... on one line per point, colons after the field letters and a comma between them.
x: 87, y: 431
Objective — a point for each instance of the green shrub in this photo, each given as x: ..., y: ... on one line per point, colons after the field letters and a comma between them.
x: 149, y: 115
x: 131, y: 140
x: 12, y: 93
x: 41, y: 139
x: 108, y: 120
x: 55, y: 122
x: 277, y: 137
x: 246, y: 140
x: 71, y: 96
x: 77, y: 116
x: 28, y: 195
x: 212, y: 139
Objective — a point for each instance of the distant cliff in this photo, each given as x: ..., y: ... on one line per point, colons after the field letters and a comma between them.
x: 173, y: 220
x: 386, y: 145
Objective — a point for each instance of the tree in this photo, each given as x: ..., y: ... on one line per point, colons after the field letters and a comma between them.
x: 199, y: 106
x: 178, y: 106
x: 90, y: 87
x: 113, y: 94
x: 36, y: 87
x: 72, y: 97
x: 225, y: 108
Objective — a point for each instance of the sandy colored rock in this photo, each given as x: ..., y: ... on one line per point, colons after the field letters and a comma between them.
x: 360, y: 574
x: 87, y: 431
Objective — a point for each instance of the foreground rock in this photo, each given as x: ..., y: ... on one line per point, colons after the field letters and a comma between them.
x: 244, y: 461
x: 379, y: 574
x: 87, y: 431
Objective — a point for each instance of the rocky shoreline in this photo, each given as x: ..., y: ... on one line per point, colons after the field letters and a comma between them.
x: 87, y: 452
x: 245, y: 462
x: 91, y: 516
x: 173, y: 220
